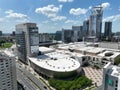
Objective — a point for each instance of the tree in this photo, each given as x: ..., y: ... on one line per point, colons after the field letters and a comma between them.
x: 117, y: 60
x: 77, y: 83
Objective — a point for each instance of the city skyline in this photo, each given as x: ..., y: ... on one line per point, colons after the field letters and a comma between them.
x: 53, y: 15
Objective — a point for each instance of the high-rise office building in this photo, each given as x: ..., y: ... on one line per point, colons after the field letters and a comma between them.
x: 58, y: 36
x: 77, y: 33
x: 108, y: 30
x: 96, y: 22
x: 8, y: 80
x: 111, y: 77
x: 27, y: 41
x: 46, y: 37
x: 67, y: 35
x: 13, y: 33
x: 0, y: 33
x: 86, y: 28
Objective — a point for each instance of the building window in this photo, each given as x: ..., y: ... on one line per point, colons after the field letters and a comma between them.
x: 116, y: 83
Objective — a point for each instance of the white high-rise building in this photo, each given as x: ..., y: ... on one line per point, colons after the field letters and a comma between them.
x: 8, y: 79
x: 111, y: 77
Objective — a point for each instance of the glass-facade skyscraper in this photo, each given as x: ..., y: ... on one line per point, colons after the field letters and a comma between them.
x: 96, y: 22
x: 108, y: 30
x: 86, y: 28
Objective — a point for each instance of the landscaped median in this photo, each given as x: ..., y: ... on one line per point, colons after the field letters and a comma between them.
x: 77, y: 83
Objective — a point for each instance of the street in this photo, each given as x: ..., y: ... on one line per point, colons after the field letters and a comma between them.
x: 27, y: 84
x: 29, y: 80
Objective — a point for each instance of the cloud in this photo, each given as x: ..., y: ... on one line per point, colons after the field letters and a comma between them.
x: 12, y: 14
x: 69, y: 21
x: 105, y: 5
x: 90, y: 7
x: 49, y: 11
x: 73, y: 22
x: 22, y: 20
x: 0, y: 8
x: 112, y: 18
x: 55, y: 23
x: 78, y: 11
x: 9, y: 11
x: 45, y: 22
x: 2, y: 20
x: 119, y: 9
x: 58, y: 18
x: 65, y: 0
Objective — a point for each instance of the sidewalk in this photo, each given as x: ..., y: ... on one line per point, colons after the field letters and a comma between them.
x: 94, y: 74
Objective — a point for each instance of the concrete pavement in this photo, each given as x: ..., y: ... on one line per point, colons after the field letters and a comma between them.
x: 94, y: 74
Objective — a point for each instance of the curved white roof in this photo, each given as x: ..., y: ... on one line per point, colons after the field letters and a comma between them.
x: 56, y: 61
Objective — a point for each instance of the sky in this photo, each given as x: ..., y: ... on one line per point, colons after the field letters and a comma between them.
x: 53, y: 15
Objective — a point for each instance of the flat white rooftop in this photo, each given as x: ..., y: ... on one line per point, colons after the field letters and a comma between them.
x: 80, y: 46
x: 115, y: 71
x: 56, y: 61
x: 45, y: 49
x: 95, y: 50
x: 115, y: 54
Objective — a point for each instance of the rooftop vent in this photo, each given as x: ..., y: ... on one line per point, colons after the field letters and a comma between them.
x: 108, y: 54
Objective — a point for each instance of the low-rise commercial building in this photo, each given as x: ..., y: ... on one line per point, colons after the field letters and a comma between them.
x: 56, y: 64
x: 95, y: 55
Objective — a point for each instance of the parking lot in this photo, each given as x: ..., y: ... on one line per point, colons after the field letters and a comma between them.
x: 94, y: 74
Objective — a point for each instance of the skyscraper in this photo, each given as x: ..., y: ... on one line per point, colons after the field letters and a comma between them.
x: 77, y: 33
x: 96, y: 22
x: 108, y: 30
x: 86, y: 28
x: 67, y: 35
x: 27, y: 40
x: 58, y: 36
x: 0, y: 33
x: 8, y: 80
x: 111, y: 77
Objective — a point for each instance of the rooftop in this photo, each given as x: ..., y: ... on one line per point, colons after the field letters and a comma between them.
x: 113, y: 55
x: 115, y: 71
x: 56, y: 61
x: 86, y: 47
x: 112, y: 70
x: 45, y: 49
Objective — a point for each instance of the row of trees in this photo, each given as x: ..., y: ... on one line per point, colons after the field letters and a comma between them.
x: 78, y: 83
x: 2, y: 42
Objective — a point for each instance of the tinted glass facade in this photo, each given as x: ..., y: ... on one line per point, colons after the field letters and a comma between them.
x: 27, y: 41
x: 96, y: 22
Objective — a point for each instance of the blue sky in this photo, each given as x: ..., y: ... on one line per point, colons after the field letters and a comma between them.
x: 53, y: 15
